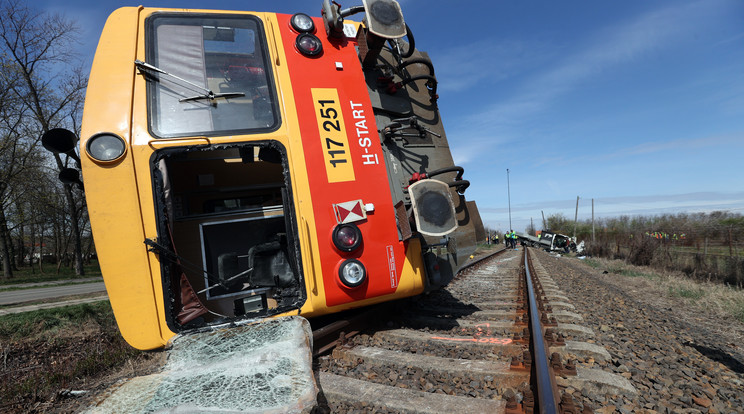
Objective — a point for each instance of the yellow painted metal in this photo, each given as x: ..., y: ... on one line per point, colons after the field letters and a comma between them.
x: 309, y: 245
x: 123, y: 219
x: 115, y: 215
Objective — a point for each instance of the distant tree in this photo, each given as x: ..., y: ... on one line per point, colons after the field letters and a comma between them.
x: 530, y: 229
x: 15, y: 149
x: 559, y: 223
x: 735, y: 226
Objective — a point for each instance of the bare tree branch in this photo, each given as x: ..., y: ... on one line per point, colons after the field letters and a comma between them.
x: 41, y: 87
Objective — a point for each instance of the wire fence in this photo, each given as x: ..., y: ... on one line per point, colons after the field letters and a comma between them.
x: 715, y: 267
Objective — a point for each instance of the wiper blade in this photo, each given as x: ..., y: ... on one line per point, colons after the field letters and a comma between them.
x: 212, y: 96
x: 145, y: 67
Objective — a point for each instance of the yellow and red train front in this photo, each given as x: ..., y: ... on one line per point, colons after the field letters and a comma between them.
x: 345, y: 164
x: 335, y: 170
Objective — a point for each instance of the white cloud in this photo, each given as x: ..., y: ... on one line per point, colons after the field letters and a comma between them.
x: 485, y: 61
x: 665, y: 148
x: 617, y: 45
x: 518, y: 116
x: 608, y: 207
x: 731, y: 39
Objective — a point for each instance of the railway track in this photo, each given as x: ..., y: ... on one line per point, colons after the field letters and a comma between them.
x: 452, y: 350
x: 468, y: 348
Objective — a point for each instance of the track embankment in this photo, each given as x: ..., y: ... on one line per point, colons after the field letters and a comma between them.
x: 464, y: 348
x: 678, y: 359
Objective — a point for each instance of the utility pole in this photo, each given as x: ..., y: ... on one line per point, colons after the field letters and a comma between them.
x: 508, y: 195
x: 545, y: 226
x: 576, y: 216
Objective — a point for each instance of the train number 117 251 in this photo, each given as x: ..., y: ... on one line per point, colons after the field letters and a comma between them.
x: 333, y: 139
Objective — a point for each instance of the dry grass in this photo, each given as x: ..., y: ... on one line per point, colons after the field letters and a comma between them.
x: 650, y: 252
x: 710, y: 297
x: 47, y: 351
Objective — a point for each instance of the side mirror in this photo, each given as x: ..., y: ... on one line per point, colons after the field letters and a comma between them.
x: 71, y: 176
x: 60, y: 141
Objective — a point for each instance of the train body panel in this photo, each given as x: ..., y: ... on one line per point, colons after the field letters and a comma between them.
x: 344, y: 161
x: 231, y: 174
x: 115, y: 215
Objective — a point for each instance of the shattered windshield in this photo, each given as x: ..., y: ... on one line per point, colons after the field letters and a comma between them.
x: 212, y: 76
x: 257, y: 368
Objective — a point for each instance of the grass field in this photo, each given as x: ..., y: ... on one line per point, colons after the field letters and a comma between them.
x: 29, y: 275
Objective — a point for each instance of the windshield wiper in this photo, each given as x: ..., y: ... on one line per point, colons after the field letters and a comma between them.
x: 212, y: 96
x: 207, y: 93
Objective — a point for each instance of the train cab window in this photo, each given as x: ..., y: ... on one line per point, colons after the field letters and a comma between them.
x: 218, y: 79
x: 226, y: 212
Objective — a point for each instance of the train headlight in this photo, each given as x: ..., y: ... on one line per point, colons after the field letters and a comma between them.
x: 433, y: 208
x: 309, y: 44
x: 347, y: 237
x: 352, y: 273
x: 302, y: 23
x: 106, y: 147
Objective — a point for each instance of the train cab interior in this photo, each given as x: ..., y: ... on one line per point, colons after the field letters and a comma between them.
x: 229, y: 233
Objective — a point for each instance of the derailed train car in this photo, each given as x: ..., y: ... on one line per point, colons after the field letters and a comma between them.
x: 243, y: 165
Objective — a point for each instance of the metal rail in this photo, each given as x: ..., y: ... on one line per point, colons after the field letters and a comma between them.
x: 474, y: 262
x: 544, y: 378
x: 348, y: 324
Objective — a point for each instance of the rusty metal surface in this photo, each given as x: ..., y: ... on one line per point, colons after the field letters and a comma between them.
x: 335, y: 333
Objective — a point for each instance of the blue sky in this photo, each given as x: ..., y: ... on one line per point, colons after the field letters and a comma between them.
x: 638, y: 105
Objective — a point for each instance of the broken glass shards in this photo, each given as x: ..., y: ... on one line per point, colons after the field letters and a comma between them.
x: 259, y: 367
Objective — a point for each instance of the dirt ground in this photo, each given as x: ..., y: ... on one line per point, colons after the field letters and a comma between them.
x: 60, y: 370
